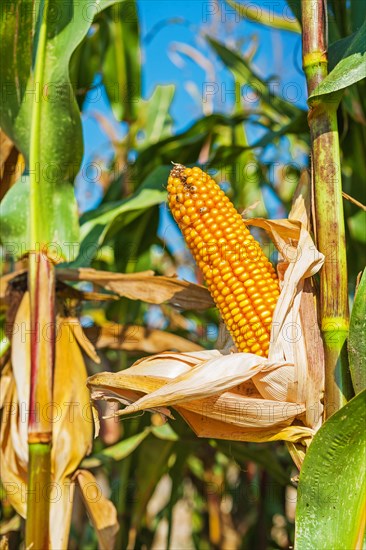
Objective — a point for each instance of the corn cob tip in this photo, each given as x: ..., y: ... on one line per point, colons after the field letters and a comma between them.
x: 240, y: 278
x: 177, y: 171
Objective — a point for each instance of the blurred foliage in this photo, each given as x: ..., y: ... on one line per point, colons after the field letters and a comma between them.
x: 166, y: 483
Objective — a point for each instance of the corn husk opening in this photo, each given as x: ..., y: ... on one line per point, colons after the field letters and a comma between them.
x: 241, y: 396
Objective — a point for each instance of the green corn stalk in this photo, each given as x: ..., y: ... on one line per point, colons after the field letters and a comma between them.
x: 329, y: 218
x: 41, y: 285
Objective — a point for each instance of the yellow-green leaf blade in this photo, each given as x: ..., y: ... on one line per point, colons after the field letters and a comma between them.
x: 332, y: 482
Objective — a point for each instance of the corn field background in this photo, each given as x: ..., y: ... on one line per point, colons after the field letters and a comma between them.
x: 105, y: 313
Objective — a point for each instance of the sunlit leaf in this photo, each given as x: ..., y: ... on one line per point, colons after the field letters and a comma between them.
x: 63, y: 224
x: 158, y: 123
x: 187, y: 145
x: 59, y: 115
x: 331, y: 489
x: 165, y: 432
x: 119, y: 451
x: 349, y: 69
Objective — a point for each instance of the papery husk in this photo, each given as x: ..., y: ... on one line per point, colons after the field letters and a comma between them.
x: 145, y: 286
x: 11, y: 163
x: 12, y: 524
x: 101, y: 511
x: 242, y: 396
x: 72, y: 421
x: 137, y: 338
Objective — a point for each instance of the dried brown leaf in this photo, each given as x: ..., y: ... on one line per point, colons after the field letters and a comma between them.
x: 137, y: 338
x: 219, y: 429
x: 101, y: 511
x: 5, y: 280
x: 301, y: 203
x: 8, y: 525
x: 72, y: 421
x: 145, y: 286
x: 11, y: 163
x: 76, y: 332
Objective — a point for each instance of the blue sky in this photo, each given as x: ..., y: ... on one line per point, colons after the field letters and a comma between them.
x: 160, y: 38
x: 199, y: 18
x: 165, y: 28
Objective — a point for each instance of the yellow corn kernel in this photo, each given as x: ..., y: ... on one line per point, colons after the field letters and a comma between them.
x: 242, y: 281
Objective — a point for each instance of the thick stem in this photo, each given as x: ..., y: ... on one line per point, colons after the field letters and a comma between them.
x: 329, y: 216
x: 41, y: 286
x: 38, y: 504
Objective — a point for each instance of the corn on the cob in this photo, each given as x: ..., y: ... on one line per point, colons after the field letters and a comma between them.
x: 240, y: 278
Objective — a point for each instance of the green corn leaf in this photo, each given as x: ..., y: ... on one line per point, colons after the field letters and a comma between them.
x: 119, y: 451
x: 39, y: 111
x: 245, y: 76
x: 103, y: 223
x: 87, y: 60
x: 151, y: 466
x: 358, y: 13
x: 357, y: 338
x: 351, y: 67
x: 185, y: 147
x: 158, y: 123
x: 226, y: 154
x: 165, y: 432
x: 331, y: 491
x: 14, y: 221
x: 259, y: 14
x: 122, y: 64
x: 67, y: 25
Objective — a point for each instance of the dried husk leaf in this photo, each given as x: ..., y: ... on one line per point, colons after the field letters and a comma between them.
x: 72, y: 421
x: 5, y: 280
x: 145, y: 286
x: 214, y: 392
x: 300, y: 260
x: 77, y: 332
x: 205, y: 379
x: 5, y: 381
x: 11, y: 163
x: 9, y: 525
x: 212, y: 428
x: 101, y: 511
x: 137, y: 338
